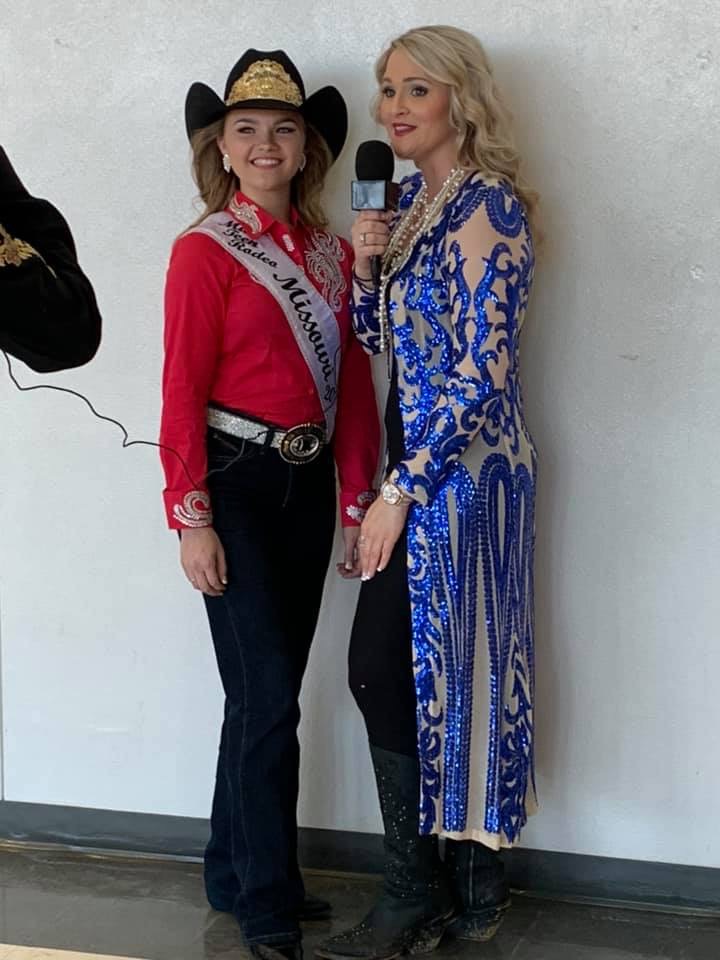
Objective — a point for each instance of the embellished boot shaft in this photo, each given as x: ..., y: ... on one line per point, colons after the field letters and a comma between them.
x: 481, y: 892
x: 412, y: 862
x: 415, y: 905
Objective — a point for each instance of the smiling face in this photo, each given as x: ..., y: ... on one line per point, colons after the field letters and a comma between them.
x: 415, y: 111
x: 265, y: 149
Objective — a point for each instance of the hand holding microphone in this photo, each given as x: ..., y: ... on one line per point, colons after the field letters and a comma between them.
x: 375, y: 196
x: 370, y: 235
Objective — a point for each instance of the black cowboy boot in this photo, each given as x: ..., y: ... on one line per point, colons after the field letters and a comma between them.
x: 314, y: 908
x: 415, y: 905
x: 482, y: 896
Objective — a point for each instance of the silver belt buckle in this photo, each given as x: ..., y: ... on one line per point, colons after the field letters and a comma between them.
x: 302, y: 444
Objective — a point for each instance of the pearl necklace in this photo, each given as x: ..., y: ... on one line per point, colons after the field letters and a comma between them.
x: 405, y: 236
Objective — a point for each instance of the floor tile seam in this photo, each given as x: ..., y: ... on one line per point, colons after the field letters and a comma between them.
x: 64, y: 895
x: 523, y: 939
x: 697, y: 911
x: 211, y: 926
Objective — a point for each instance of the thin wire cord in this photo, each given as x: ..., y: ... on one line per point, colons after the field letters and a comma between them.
x: 126, y: 441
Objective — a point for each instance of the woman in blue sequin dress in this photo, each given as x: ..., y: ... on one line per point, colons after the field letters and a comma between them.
x: 441, y: 656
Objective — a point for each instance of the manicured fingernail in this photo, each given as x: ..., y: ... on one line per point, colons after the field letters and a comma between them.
x: 224, y: 580
x: 380, y: 569
x: 348, y: 566
x: 365, y: 576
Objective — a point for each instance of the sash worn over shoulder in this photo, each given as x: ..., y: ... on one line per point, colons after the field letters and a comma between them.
x: 311, y: 319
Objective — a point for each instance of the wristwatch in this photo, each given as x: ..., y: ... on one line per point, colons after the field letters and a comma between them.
x: 392, y: 494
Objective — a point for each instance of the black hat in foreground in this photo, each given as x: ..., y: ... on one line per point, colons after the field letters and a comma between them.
x: 269, y: 80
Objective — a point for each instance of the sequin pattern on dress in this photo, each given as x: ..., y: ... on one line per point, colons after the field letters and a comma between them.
x: 455, y: 311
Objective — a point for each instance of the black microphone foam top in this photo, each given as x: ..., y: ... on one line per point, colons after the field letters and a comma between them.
x: 374, y: 160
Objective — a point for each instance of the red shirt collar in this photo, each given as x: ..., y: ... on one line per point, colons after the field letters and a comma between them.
x: 254, y: 218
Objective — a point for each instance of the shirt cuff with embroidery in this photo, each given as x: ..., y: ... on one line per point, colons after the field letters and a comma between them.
x: 187, y: 509
x: 354, y: 506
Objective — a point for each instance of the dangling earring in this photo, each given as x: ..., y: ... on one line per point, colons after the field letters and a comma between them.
x: 227, y: 166
x: 302, y: 163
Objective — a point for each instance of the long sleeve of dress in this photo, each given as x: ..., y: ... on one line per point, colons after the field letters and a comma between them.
x: 365, y: 314
x: 486, y: 271
x: 49, y: 317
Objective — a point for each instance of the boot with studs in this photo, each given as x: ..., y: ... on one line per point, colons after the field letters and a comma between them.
x: 416, y: 904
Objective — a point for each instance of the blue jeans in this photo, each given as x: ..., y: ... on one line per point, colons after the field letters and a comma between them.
x: 276, y: 523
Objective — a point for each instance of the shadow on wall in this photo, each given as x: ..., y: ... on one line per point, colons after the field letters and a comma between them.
x: 579, y: 160
x: 518, y: 73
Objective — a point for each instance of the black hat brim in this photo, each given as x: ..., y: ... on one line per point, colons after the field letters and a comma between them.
x: 325, y: 110
x: 202, y: 107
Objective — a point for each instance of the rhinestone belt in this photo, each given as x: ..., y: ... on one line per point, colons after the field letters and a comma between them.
x: 297, y: 445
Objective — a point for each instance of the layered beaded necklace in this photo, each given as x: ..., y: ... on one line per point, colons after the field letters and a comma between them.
x: 405, y: 236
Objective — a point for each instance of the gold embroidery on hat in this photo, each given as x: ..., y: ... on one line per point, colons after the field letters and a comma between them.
x: 265, y: 80
x: 12, y: 251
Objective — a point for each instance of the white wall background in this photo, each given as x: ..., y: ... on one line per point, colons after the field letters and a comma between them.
x: 109, y: 692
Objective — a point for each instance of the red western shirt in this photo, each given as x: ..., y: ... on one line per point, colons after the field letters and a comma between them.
x: 227, y: 341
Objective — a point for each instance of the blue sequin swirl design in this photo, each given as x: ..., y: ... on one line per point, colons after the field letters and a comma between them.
x: 507, y: 528
x: 454, y: 567
x: 475, y: 403
x: 472, y: 533
x: 427, y: 667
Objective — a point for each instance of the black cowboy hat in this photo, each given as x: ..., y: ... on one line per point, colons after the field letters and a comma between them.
x: 268, y: 79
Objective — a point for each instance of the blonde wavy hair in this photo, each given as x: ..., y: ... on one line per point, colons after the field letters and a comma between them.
x: 216, y: 187
x: 484, y: 124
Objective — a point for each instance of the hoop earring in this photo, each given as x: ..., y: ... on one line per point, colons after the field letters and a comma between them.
x: 227, y: 166
x: 302, y: 163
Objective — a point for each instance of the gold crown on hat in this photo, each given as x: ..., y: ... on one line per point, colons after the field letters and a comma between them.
x: 265, y: 80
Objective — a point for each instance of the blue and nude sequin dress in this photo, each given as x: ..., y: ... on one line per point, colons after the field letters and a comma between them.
x: 456, y: 309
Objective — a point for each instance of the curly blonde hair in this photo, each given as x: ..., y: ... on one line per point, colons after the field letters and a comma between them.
x: 484, y: 124
x: 216, y: 187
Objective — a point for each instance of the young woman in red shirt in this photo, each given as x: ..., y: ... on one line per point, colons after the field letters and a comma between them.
x: 265, y: 391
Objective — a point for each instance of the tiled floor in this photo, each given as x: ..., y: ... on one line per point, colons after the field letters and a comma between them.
x: 155, y: 910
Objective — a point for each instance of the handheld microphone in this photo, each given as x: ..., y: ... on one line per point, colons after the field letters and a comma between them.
x: 373, y: 189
